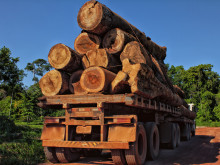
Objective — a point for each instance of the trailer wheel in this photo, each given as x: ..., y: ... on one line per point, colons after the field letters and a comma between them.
x: 118, y: 157
x: 177, y: 134
x: 189, y: 131
x: 153, y: 140
x: 136, y: 155
x: 51, y: 154
x: 67, y: 155
x: 172, y: 143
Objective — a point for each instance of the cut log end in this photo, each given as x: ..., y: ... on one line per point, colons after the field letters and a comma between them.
x: 136, y: 54
x: 85, y: 42
x: 96, y: 79
x: 120, y: 83
x: 64, y: 58
x: 97, y: 57
x: 114, y: 41
x: 53, y: 83
x: 59, y: 56
x: 90, y: 15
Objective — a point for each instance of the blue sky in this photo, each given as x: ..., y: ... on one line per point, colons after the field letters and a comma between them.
x: 190, y: 29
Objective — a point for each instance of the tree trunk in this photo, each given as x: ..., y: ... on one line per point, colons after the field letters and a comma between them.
x: 96, y: 79
x: 136, y: 54
x: 74, y: 83
x: 158, y: 71
x: 115, y: 40
x: 100, y: 57
x: 120, y: 83
x: 64, y: 58
x: 54, y: 82
x: 97, y: 18
x: 85, y: 42
x: 143, y: 82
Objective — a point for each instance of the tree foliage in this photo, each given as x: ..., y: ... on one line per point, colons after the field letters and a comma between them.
x: 10, y: 75
x: 38, y: 68
x: 200, y: 85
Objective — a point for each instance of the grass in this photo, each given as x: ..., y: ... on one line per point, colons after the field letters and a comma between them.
x: 21, y: 144
x: 208, y: 124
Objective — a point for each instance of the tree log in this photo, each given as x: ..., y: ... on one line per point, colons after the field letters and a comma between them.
x: 100, y: 57
x: 115, y: 40
x: 120, y: 83
x: 54, y: 82
x: 96, y: 79
x: 158, y: 71
x: 86, y: 41
x: 64, y: 58
x: 97, y: 18
x: 179, y: 91
x: 187, y: 113
x: 74, y: 83
x: 143, y: 82
x: 136, y: 54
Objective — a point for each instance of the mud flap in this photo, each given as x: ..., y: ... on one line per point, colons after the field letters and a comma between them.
x: 122, y: 133
x: 53, y: 132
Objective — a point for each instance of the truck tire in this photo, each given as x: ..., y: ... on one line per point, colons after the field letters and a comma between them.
x: 137, y: 152
x: 177, y: 134
x: 51, y: 154
x: 153, y: 140
x: 118, y: 157
x: 172, y: 143
x: 66, y: 155
x: 189, y: 131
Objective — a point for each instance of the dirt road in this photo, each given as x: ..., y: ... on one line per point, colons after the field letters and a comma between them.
x: 204, y: 149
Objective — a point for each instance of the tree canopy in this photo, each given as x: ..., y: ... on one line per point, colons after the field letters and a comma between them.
x: 201, y: 86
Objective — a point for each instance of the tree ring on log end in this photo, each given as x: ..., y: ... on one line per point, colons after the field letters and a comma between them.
x: 51, y: 83
x: 92, y: 79
x: 114, y: 41
x: 85, y: 42
x: 59, y: 56
x: 90, y: 15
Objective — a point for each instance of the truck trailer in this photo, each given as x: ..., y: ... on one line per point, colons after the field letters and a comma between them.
x: 115, y: 91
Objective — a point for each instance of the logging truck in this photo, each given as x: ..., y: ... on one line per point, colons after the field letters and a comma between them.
x: 130, y: 125
x: 115, y: 91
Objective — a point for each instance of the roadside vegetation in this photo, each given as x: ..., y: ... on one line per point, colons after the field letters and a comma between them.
x: 21, y: 120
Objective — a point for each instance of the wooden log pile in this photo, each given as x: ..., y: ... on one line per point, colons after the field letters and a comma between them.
x: 111, y: 56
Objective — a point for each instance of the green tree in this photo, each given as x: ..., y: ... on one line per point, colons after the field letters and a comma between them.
x: 200, y: 85
x: 38, y: 67
x: 10, y: 75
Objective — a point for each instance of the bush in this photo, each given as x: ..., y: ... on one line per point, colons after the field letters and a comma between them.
x: 7, y: 129
x: 22, y: 153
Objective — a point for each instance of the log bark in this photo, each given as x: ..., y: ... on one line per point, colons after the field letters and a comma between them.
x: 179, y: 91
x: 187, y: 113
x: 115, y: 40
x: 85, y: 42
x: 136, y: 54
x: 97, y: 18
x: 143, y: 82
x: 54, y: 82
x: 74, y: 83
x: 158, y: 71
x: 96, y: 79
x: 120, y: 83
x: 100, y: 57
x: 64, y: 58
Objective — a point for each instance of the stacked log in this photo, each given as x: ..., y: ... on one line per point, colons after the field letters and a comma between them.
x: 111, y: 56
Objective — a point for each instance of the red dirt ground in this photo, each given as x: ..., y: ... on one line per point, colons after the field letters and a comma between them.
x: 203, y: 149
